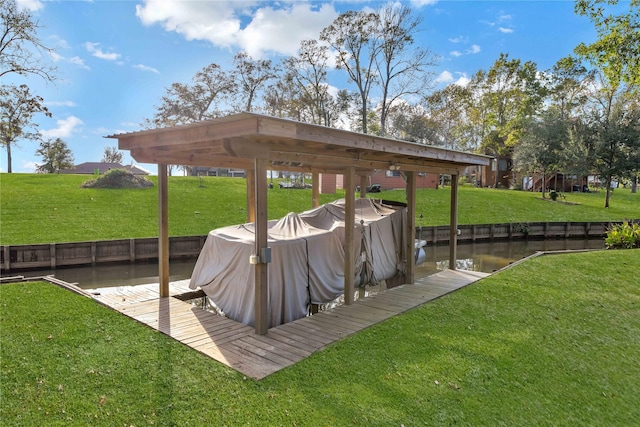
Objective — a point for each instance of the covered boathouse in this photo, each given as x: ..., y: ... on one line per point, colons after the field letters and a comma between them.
x: 258, y: 143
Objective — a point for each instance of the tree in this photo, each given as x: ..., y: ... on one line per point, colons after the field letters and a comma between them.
x: 540, y: 148
x: 353, y: 36
x: 616, y: 51
x: 112, y: 155
x: 447, y: 111
x: 56, y: 156
x: 512, y: 93
x: 567, y: 85
x: 17, y: 108
x: 200, y: 100
x: 612, y: 129
x: 252, y: 75
x: 307, y: 73
x: 21, y: 51
x: 411, y: 123
x: 401, y: 71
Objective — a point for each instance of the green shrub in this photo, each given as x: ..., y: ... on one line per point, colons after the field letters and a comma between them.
x: 623, y: 236
x: 118, y: 178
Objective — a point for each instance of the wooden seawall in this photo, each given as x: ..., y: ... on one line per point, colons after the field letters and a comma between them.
x: 23, y: 257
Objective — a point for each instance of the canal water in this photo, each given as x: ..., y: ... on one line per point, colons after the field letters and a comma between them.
x: 485, y: 257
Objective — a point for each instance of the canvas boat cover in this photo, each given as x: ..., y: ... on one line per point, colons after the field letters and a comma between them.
x: 307, y: 259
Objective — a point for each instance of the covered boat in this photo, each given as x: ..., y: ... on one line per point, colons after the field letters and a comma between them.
x: 307, y: 259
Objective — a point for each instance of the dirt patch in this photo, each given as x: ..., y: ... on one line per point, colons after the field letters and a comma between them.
x: 118, y: 178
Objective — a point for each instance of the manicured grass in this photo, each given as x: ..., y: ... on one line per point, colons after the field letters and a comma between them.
x: 552, y: 341
x: 53, y: 208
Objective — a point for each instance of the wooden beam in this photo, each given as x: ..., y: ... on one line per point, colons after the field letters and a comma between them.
x: 349, y: 235
x: 324, y: 158
x: 251, y: 195
x: 226, y: 127
x: 370, y: 143
x: 163, y: 230
x: 410, y: 231
x: 196, y: 158
x: 315, y: 189
x: 261, y: 272
x: 453, y: 223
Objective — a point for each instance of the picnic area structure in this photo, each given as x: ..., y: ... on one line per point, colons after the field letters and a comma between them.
x: 258, y: 143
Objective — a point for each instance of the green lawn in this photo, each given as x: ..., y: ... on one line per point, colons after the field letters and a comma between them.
x: 53, y: 208
x: 552, y: 341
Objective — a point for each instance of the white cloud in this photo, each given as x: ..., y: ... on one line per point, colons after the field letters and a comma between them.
x: 56, y: 42
x: 95, y: 50
x: 250, y: 26
x: 29, y: 167
x: 76, y: 60
x: 146, y: 68
x: 444, y: 77
x: 499, y: 20
x: 459, y: 39
x: 474, y: 49
x: 64, y: 128
x: 56, y: 57
x: 421, y: 3
x: 505, y: 30
x: 455, y: 53
x: 463, y: 80
x: 60, y: 103
x: 32, y: 5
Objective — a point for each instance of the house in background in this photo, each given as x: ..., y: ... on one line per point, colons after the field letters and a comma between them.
x: 98, y: 168
x: 206, y: 171
x: 387, y: 179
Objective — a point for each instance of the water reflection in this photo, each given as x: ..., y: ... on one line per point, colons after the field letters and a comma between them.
x: 103, y: 276
x: 486, y: 257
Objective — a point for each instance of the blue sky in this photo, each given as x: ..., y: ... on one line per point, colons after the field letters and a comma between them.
x: 115, y: 58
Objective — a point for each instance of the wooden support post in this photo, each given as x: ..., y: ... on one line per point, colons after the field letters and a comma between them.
x: 410, y: 249
x: 94, y: 251
x: 7, y: 257
x: 251, y: 195
x: 52, y: 255
x: 315, y: 189
x: 261, y: 276
x: 453, y: 223
x: 349, y: 226
x: 132, y: 250
x: 163, y: 230
x: 363, y: 186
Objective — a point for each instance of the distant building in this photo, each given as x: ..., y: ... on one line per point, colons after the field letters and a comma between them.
x: 98, y: 168
x: 207, y: 171
x: 387, y: 180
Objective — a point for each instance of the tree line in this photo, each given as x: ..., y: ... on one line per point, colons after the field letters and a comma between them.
x: 579, y: 117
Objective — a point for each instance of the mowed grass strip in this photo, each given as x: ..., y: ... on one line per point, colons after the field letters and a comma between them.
x: 552, y: 341
x: 54, y: 208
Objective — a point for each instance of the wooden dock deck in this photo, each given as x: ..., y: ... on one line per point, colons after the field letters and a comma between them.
x: 237, y: 346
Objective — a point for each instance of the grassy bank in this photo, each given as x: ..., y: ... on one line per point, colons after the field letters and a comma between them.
x: 553, y: 341
x: 53, y: 208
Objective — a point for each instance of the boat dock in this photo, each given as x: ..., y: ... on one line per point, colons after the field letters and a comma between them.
x: 256, y: 356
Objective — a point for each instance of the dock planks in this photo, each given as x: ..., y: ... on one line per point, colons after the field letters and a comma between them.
x: 237, y: 346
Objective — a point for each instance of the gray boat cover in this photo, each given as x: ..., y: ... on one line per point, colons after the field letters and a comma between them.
x: 307, y: 259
